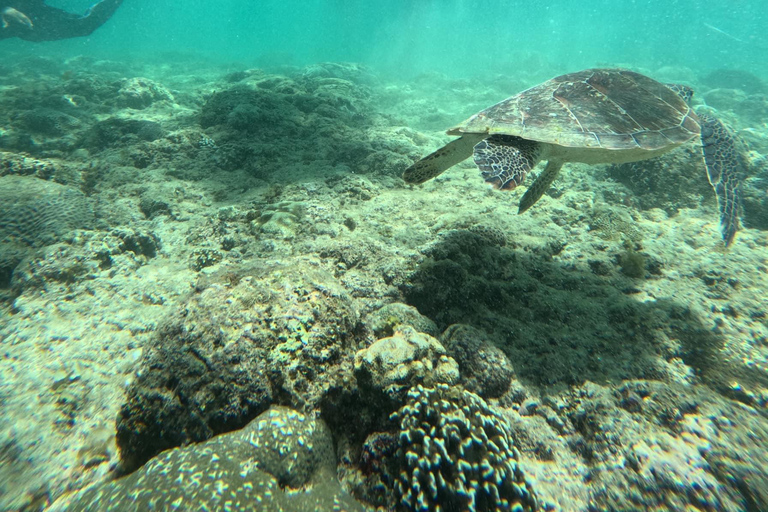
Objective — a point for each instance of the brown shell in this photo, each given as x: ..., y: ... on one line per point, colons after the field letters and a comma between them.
x: 596, y: 108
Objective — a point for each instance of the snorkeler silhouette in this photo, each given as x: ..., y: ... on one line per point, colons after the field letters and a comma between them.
x: 34, y: 21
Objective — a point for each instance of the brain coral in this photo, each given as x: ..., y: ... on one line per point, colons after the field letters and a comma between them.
x: 35, y: 213
x: 282, y: 460
x: 457, y: 454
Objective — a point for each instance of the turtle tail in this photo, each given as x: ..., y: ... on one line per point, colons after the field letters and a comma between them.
x: 726, y: 166
x: 447, y: 156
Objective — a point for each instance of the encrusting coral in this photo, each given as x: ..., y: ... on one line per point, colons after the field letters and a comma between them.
x: 457, y: 454
x: 282, y: 460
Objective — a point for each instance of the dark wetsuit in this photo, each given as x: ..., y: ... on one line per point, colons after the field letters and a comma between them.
x: 49, y: 23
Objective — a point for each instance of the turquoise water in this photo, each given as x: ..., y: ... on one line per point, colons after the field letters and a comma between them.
x: 456, y: 36
x: 220, y: 182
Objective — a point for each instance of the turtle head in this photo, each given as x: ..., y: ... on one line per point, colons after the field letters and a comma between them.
x: 683, y: 91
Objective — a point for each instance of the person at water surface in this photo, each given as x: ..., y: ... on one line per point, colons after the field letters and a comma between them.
x: 33, y: 20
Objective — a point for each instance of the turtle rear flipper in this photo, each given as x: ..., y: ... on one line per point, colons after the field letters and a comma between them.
x: 504, y: 160
x: 541, y: 185
x: 447, y: 156
x: 725, y: 167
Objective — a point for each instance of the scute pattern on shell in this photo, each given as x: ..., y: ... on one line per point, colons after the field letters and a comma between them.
x: 595, y: 108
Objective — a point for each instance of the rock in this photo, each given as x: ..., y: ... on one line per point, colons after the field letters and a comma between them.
x: 282, y: 460
x: 390, y: 317
x: 119, y: 131
x: 244, y: 338
x: 735, y: 79
x: 725, y: 99
x: 279, y: 220
x: 58, y: 171
x: 403, y: 360
x: 36, y: 213
x: 484, y: 368
x: 140, y: 93
x: 192, y: 387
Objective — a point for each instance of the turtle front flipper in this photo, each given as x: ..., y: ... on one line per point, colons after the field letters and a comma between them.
x: 447, y: 156
x: 505, y: 160
x: 725, y: 167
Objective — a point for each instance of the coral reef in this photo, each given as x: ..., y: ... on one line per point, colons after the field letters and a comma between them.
x: 739, y: 93
x: 257, y: 122
x: 36, y: 213
x: 672, y: 181
x: 457, y: 454
x: 229, y: 351
x: 81, y: 258
x: 385, y: 320
x: 484, y: 368
x: 252, y: 245
x: 279, y: 220
x: 678, y: 180
x: 47, y: 121
x: 58, y: 171
x: 194, y: 387
x: 119, y: 131
x: 632, y: 263
x: 282, y: 460
x: 754, y: 193
x: 395, y: 364
x: 535, y: 310
x: 735, y: 79
x: 613, y: 223
x: 673, y: 441
x: 140, y: 93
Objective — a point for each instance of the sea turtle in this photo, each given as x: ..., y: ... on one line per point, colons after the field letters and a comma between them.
x: 594, y: 116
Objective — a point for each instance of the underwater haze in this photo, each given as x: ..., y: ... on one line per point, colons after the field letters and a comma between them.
x: 454, y: 36
x: 247, y: 265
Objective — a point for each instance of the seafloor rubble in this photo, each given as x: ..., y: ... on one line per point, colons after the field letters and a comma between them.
x: 217, y: 276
